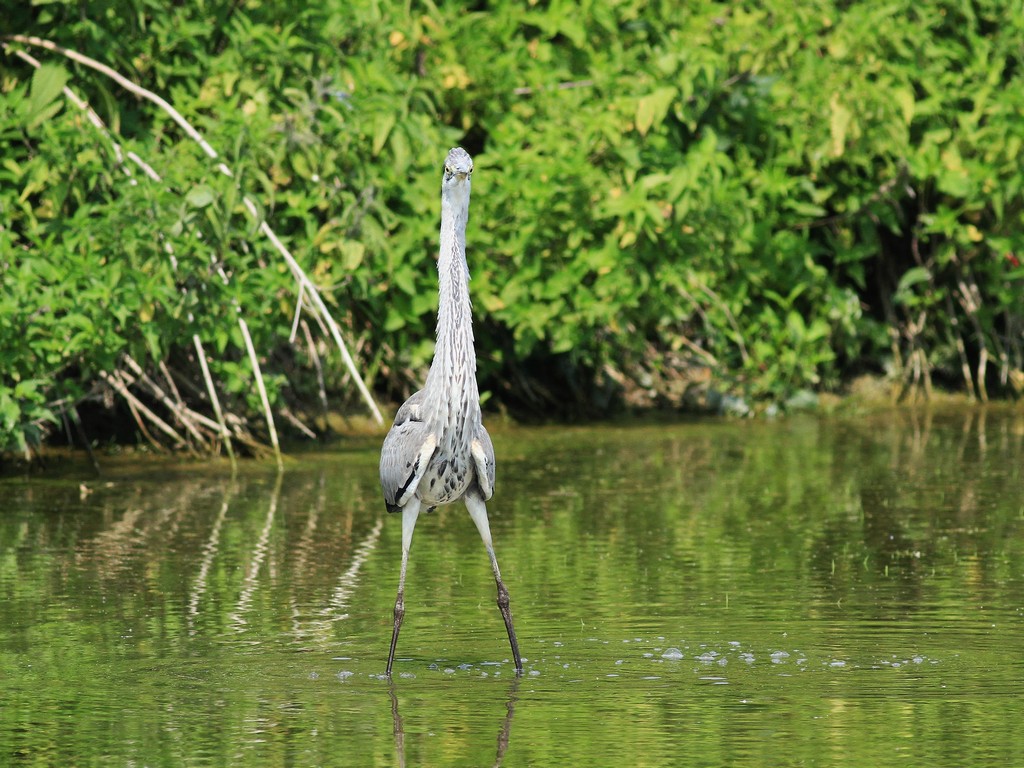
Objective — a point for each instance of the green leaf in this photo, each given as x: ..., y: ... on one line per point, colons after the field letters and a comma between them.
x: 914, y: 276
x: 352, y: 253
x: 911, y: 278
x: 652, y: 108
x: 47, y: 83
x: 405, y: 279
x: 796, y: 325
x: 904, y: 97
x: 200, y: 196
x: 382, y: 126
x: 839, y: 124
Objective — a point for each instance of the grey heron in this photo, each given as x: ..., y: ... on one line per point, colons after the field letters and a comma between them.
x: 438, y: 451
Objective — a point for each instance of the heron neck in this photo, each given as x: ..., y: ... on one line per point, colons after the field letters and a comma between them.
x: 451, y: 389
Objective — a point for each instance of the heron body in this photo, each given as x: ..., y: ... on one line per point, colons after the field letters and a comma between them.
x: 437, y: 451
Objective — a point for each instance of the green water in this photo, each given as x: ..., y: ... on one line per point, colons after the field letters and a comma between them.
x: 803, y: 592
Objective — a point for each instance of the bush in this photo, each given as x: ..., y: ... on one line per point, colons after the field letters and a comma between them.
x: 777, y: 196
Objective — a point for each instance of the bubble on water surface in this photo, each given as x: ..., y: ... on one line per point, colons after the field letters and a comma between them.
x: 673, y: 654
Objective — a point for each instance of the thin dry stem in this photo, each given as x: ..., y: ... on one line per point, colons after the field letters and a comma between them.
x: 139, y: 409
x: 183, y: 415
x: 296, y: 422
x: 80, y: 429
x: 214, y: 400
x: 970, y: 300
x: 694, y: 347
x: 261, y: 387
x: 170, y: 383
x: 321, y: 308
x: 961, y: 348
x: 315, y: 357
x: 299, y: 300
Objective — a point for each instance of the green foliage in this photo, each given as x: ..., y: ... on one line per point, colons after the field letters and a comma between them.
x: 785, y: 194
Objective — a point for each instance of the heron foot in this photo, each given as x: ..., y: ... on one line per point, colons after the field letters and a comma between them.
x: 399, y: 615
x: 504, y: 605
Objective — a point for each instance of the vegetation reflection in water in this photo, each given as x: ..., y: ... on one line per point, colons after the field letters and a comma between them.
x: 800, y: 592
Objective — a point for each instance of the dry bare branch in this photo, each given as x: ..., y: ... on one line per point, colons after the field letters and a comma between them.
x: 184, y: 416
x: 315, y: 357
x: 296, y: 422
x: 261, y: 387
x: 214, y: 400
x: 138, y: 409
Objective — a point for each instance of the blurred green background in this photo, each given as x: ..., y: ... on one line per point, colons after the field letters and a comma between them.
x: 758, y: 199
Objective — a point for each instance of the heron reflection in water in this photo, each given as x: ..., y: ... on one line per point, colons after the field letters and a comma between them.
x: 503, y: 735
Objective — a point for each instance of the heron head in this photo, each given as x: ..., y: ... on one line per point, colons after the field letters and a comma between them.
x: 458, y: 166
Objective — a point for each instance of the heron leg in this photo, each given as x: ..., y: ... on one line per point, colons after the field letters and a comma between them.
x: 410, y: 512
x: 478, y: 511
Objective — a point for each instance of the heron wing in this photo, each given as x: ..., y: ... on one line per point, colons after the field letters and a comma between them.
x: 406, y: 452
x: 410, y: 410
x: 483, y: 458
